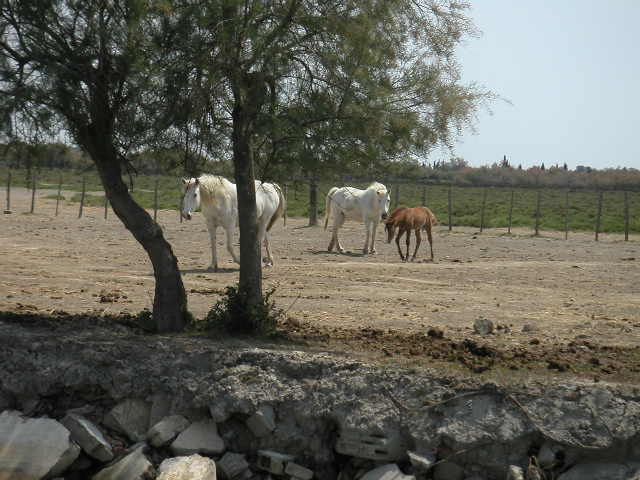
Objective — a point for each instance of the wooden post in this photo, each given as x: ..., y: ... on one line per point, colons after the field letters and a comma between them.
x: 8, y: 209
x: 484, y: 204
x: 313, y: 202
x: 424, y: 195
x: 106, y: 205
x: 626, y: 216
x: 286, y: 195
x: 566, y: 217
x: 33, y: 194
x: 59, y: 193
x: 450, y: 205
x: 538, y: 212
x: 180, y: 207
x: 511, y: 210
x: 155, y: 201
x: 599, y: 213
x: 84, y: 185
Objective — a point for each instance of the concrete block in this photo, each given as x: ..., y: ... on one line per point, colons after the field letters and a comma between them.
x: 273, y: 462
x: 88, y: 436
x: 387, y: 446
x: 233, y: 465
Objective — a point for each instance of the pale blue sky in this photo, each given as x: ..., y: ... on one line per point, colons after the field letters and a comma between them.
x: 571, y: 69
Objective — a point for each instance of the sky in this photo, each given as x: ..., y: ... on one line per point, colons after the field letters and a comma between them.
x: 571, y: 70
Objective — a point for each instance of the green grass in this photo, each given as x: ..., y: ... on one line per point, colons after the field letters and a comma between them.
x: 466, y: 201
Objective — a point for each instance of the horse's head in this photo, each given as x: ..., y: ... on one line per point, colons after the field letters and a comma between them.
x: 390, y: 228
x: 384, y: 201
x: 191, y: 200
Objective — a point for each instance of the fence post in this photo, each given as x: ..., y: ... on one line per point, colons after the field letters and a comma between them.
x: 8, y: 209
x: 180, y: 207
x: 313, y: 201
x: 84, y: 184
x: 286, y: 195
x: 566, y: 216
x: 599, y: 214
x: 59, y: 193
x: 33, y: 194
x: 155, y: 201
x: 538, y: 212
x: 450, y: 204
x: 511, y: 210
x: 484, y: 203
x: 626, y: 216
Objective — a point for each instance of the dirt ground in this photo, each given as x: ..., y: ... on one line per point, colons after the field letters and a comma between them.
x: 559, y: 307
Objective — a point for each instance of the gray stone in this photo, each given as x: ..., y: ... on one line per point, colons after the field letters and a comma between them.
x: 219, y: 412
x: 31, y: 448
x: 130, y: 417
x: 232, y: 465
x: 448, y: 471
x: 298, y: 471
x: 389, y: 471
x: 199, y: 437
x: 515, y: 473
x: 483, y: 326
x: 599, y: 471
x: 133, y: 466
x: 421, y: 463
x: 548, y: 454
x: 273, y: 462
x: 160, y: 408
x: 263, y: 422
x: 88, y: 436
x: 193, y: 467
x: 163, y: 432
x: 387, y: 446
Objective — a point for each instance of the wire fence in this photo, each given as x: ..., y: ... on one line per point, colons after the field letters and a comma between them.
x: 598, y: 211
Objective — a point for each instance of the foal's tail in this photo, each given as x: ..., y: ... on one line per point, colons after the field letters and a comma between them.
x: 327, y: 211
x: 282, y: 205
x: 432, y: 220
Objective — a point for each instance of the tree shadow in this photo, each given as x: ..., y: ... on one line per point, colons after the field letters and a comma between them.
x: 206, y: 270
x: 346, y: 254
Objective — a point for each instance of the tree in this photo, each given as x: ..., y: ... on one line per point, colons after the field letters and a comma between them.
x: 88, y: 68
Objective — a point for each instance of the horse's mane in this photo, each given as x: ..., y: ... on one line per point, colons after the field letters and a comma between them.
x: 377, y: 186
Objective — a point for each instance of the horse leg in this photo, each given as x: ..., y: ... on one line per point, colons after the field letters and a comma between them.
x: 230, y: 229
x: 373, y: 237
x: 367, y: 228
x: 400, y: 233
x: 270, y: 262
x: 212, y: 227
x: 406, y: 257
x: 430, y: 239
x: 418, y: 240
x: 337, y: 223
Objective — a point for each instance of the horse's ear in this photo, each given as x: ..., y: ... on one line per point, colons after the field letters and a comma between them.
x: 185, y: 181
x: 197, y: 181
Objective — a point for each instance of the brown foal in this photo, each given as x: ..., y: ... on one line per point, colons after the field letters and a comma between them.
x: 406, y: 219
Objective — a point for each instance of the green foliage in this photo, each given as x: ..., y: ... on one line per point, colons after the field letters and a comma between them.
x: 233, y: 314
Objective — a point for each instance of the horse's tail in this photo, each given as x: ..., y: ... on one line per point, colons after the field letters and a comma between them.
x: 327, y: 211
x: 432, y: 220
x: 282, y: 205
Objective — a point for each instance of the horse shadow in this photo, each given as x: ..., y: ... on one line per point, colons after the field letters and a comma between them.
x: 206, y: 270
x: 347, y: 253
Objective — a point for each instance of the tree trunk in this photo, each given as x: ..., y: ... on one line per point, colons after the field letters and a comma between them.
x: 170, y: 300
x: 250, y: 281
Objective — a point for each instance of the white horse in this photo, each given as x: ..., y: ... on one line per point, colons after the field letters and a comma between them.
x: 219, y: 200
x: 347, y: 203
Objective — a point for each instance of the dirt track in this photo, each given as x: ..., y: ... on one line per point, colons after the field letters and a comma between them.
x: 577, y: 300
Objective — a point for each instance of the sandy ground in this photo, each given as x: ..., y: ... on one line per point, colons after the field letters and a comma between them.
x: 535, y: 289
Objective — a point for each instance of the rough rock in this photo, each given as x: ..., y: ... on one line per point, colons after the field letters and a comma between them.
x: 263, y: 422
x: 163, y: 432
x: 421, y: 463
x: 31, y: 448
x: 379, y: 445
x: 133, y: 466
x: 273, y: 462
x: 448, y: 471
x: 298, y: 471
x: 483, y: 326
x: 160, y: 407
x: 601, y: 471
x: 232, y: 465
x: 130, y: 417
x: 199, y: 437
x: 88, y: 436
x: 193, y: 467
x: 389, y: 471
